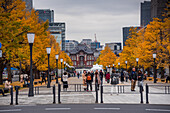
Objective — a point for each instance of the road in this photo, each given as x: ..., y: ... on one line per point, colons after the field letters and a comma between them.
x: 86, y: 108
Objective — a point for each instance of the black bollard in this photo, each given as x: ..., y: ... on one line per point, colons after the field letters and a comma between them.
x: 16, y: 95
x: 59, y: 89
x: 147, y: 91
x: 96, y: 93
x: 101, y: 91
x: 11, y: 96
x: 54, y: 94
x: 141, y: 94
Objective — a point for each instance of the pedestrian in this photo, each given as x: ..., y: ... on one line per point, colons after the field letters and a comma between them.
x: 114, y: 80
x: 65, y: 81
x: 84, y: 80
x: 140, y: 78
x: 78, y: 75
x: 92, y: 76
x: 122, y: 77
x: 88, y: 81
x: 133, y: 78
x: 126, y: 75
x: 108, y: 77
x: 43, y: 77
x: 101, y: 76
x: 97, y: 79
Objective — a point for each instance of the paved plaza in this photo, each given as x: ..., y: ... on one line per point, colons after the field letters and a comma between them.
x: 111, y: 95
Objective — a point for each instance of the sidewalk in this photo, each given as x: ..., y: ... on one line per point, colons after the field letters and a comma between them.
x: 45, y: 95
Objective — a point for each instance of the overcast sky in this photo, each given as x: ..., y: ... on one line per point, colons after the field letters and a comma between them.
x: 84, y: 18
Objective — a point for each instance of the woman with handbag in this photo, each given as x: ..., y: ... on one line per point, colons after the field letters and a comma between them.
x: 65, y: 83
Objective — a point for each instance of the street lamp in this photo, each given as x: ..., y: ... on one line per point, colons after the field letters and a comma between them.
x: 48, y: 49
x: 30, y: 37
x: 113, y: 66
x: 106, y: 68
x: 61, y: 60
x: 56, y: 57
x: 137, y: 59
x: 64, y: 65
x: 126, y: 64
x: 154, y: 57
x: 119, y: 66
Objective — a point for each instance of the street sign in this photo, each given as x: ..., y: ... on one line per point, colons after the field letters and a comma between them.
x: 0, y: 45
x: 0, y: 53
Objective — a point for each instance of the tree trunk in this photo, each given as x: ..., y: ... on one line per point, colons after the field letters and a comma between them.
x: 148, y: 70
x: 1, y: 72
x: 9, y: 71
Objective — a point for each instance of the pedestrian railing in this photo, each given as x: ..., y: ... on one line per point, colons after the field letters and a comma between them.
x: 36, y: 92
x: 76, y: 88
x: 120, y: 89
x: 156, y: 89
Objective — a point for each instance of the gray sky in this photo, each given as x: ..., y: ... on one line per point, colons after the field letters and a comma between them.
x: 84, y: 18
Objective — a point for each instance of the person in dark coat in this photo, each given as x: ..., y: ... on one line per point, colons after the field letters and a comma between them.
x: 140, y: 78
x: 92, y: 75
x: 133, y: 78
x: 101, y: 76
x: 122, y: 76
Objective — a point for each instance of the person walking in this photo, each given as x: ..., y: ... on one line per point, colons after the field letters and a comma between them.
x: 108, y: 77
x: 88, y: 81
x: 65, y: 81
x: 78, y: 75
x: 114, y: 80
x: 133, y: 78
x: 122, y: 77
x: 126, y: 75
x: 92, y: 76
x: 84, y: 80
x: 101, y: 76
x: 140, y: 78
x: 43, y: 77
x: 97, y: 79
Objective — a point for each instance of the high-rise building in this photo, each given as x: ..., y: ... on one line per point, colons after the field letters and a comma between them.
x: 28, y: 4
x: 46, y: 14
x: 158, y: 8
x: 57, y: 29
x: 115, y: 47
x: 126, y: 33
x: 70, y: 44
x: 145, y: 13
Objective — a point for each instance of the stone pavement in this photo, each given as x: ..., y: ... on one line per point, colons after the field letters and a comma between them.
x: 45, y: 95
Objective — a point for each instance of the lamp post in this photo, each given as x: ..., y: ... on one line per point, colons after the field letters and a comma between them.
x: 154, y: 57
x: 61, y: 60
x: 137, y: 59
x: 64, y: 65
x: 126, y: 64
x: 30, y: 37
x: 106, y: 69
x: 119, y: 66
x: 56, y: 57
x: 113, y: 66
x: 48, y: 49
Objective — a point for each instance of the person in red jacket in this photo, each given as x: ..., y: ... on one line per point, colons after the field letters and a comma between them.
x: 108, y: 77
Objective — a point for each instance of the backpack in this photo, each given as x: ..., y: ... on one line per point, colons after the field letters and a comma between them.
x: 89, y: 77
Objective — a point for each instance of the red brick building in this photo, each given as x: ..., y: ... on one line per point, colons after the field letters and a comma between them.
x: 82, y: 56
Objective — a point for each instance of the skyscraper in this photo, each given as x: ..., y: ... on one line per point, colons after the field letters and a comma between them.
x: 57, y: 29
x: 158, y: 8
x: 46, y: 14
x: 145, y: 13
x: 126, y: 33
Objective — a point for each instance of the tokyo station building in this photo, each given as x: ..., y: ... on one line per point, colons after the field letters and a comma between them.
x: 82, y: 56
